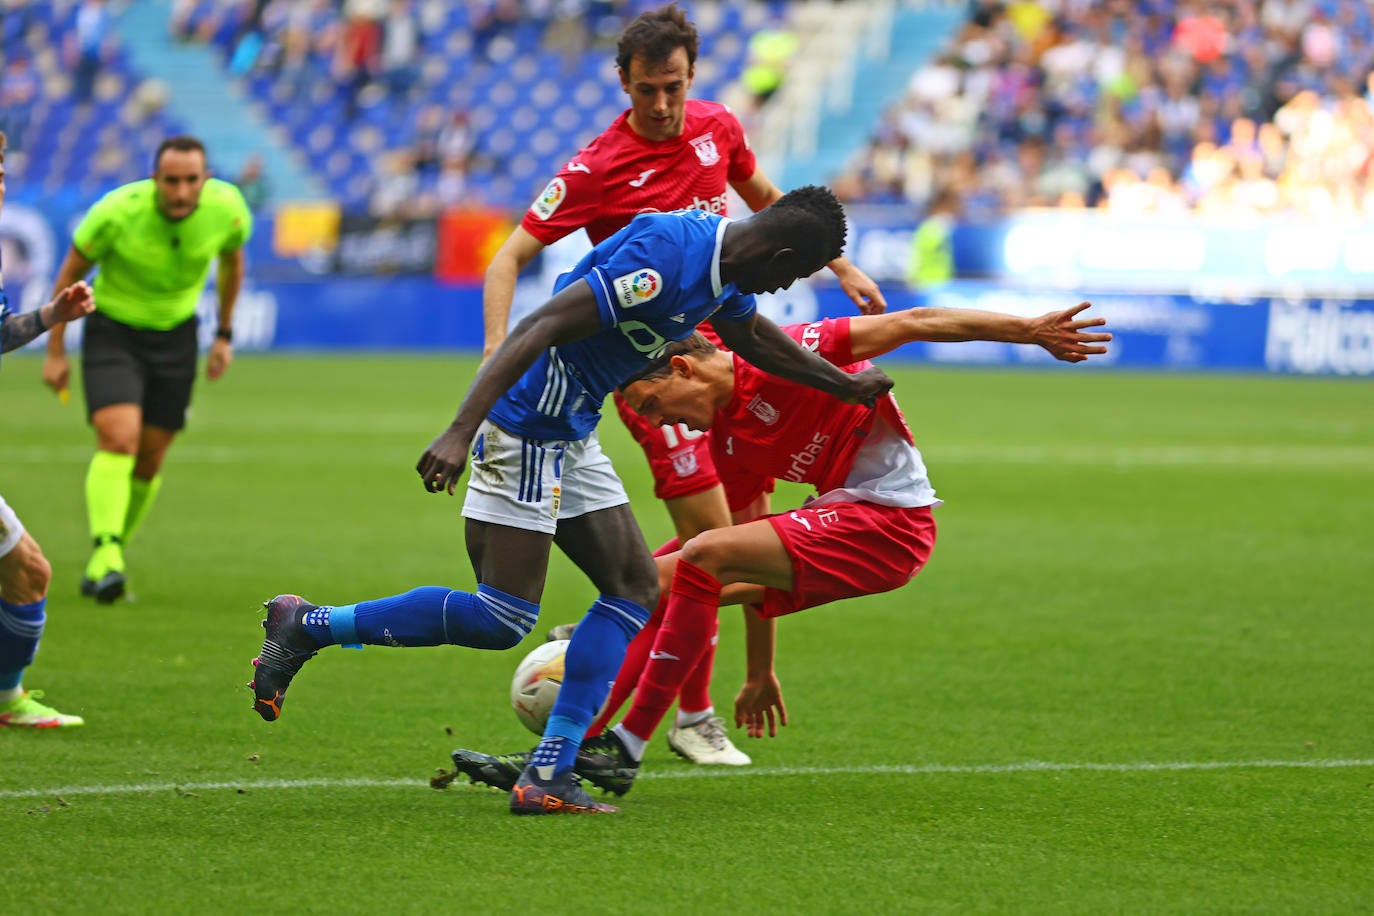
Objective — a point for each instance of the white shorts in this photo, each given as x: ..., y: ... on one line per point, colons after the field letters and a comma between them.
x: 532, y: 483
x: 11, y: 529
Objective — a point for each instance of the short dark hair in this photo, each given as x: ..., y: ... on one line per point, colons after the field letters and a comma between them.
x: 813, y: 213
x: 697, y: 344
x: 655, y: 35
x: 182, y: 143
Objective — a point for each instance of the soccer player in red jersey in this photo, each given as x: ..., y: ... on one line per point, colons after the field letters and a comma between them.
x: 870, y: 528
x: 667, y: 152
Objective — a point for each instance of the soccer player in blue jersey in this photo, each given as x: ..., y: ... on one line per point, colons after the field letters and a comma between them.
x: 24, y: 571
x: 539, y: 477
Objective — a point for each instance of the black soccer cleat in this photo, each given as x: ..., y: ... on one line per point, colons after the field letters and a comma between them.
x: 563, y: 795
x: 500, y: 771
x: 286, y: 647
x: 108, y: 589
x: 605, y: 762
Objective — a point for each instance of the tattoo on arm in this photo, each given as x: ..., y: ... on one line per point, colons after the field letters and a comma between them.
x: 18, y: 330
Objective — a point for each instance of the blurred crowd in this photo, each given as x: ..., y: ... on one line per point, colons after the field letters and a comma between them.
x: 367, y: 74
x: 1233, y: 108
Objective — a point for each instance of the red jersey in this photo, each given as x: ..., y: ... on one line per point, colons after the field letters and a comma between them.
x: 621, y: 174
x: 776, y: 429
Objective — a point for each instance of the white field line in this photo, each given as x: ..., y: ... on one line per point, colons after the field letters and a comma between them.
x: 1031, y: 766
x: 1297, y: 457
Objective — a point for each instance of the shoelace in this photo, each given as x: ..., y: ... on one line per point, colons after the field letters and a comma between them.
x: 713, y: 730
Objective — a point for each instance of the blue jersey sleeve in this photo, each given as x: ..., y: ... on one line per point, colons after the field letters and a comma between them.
x: 644, y: 269
x: 738, y: 307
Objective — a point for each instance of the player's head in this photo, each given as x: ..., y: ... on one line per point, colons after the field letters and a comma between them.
x: 657, y: 58
x: 179, y: 172
x: 687, y: 384
x: 793, y: 237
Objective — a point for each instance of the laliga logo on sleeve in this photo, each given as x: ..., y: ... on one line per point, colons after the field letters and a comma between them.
x: 637, y: 288
x: 548, y: 202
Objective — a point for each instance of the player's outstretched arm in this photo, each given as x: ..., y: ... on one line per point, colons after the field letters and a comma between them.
x: 227, y: 286
x: 70, y: 304
x: 759, y: 701
x: 56, y: 368
x: 498, y: 285
x: 858, y: 286
x: 758, y: 191
x: 761, y: 342
x: 1062, y: 333
x: 570, y: 315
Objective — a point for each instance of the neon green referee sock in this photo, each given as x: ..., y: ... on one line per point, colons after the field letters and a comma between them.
x: 107, y: 506
x: 141, y: 496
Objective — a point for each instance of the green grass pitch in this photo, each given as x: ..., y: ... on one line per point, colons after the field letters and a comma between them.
x: 1135, y: 677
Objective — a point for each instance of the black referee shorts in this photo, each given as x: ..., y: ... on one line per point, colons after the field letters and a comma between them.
x: 153, y: 369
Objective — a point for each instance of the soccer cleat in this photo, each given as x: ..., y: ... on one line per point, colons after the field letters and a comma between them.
x: 500, y: 771
x: 562, y: 795
x: 26, y: 712
x: 606, y: 763
x: 108, y: 589
x: 104, y: 579
x: 286, y: 647
x: 562, y: 631
x: 707, y: 743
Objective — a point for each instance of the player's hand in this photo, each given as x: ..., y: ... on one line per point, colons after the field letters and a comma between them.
x: 74, y: 302
x: 867, y: 386
x: 57, y: 372
x: 221, y: 355
x: 759, y: 701
x: 1062, y: 334
x: 863, y: 292
x: 441, y: 466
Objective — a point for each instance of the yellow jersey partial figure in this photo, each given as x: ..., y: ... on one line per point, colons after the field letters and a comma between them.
x: 931, y: 262
x: 154, y: 241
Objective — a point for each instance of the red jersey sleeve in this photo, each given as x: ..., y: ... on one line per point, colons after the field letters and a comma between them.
x: 568, y: 203
x: 742, y: 161
x: 827, y: 338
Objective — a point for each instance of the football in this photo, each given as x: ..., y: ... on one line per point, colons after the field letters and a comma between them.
x: 535, y: 685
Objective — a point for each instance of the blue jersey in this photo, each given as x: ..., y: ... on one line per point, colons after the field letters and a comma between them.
x: 654, y: 281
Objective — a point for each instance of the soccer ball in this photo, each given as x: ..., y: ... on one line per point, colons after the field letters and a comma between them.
x: 534, y: 688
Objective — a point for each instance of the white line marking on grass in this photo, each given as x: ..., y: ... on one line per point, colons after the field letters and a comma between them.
x: 1300, y: 457
x: 1030, y: 766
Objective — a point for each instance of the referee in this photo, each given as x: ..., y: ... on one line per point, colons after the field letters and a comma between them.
x: 153, y: 241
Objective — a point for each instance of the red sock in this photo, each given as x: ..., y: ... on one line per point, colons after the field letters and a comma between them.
x: 693, y: 604
x: 672, y: 546
x: 630, y: 670
x: 696, y: 690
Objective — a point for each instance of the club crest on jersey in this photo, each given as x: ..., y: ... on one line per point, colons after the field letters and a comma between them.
x: 685, y: 463
x: 637, y: 288
x: 546, y: 203
x: 763, y: 410
x: 706, y: 149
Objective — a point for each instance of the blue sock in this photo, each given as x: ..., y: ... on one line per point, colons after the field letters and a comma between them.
x: 430, y: 615
x: 594, y: 656
x: 21, y: 627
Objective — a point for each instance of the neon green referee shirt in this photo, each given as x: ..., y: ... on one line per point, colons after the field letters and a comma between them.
x: 152, y: 269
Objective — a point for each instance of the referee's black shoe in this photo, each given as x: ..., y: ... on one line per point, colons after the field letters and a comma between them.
x: 108, y: 589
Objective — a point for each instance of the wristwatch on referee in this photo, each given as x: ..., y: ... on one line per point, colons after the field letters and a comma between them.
x: 225, y: 334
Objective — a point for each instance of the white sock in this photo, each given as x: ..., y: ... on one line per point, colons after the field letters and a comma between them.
x: 633, y: 743
x: 7, y: 696
x: 688, y: 719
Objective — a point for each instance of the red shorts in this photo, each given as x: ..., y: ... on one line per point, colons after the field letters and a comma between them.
x: 844, y: 550
x: 679, y: 458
